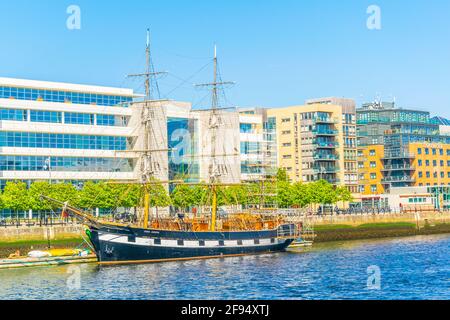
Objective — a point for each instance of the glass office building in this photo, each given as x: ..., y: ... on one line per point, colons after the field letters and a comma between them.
x: 64, y: 132
x: 400, y: 132
x: 182, y: 134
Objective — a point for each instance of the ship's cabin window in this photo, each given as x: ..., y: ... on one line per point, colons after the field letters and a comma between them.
x: 272, y: 240
x: 239, y: 242
x: 131, y: 238
x: 221, y: 243
x: 157, y: 241
x: 201, y: 243
x: 180, y: 242
x: 256, y: 241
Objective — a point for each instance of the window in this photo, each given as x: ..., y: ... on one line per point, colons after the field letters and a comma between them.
x: 441, y: 152
x: 372, y: 153
x: 373, y: 164
x: 13, y: 114
x: 420, y: 163
x: 79, y: 118
x: 428, y: 174
x: 427, y: 163
x: 45, y: 116
x: 69, y: 164
x: 61, y: 141
x: 419, y: 151
x: 63, y: 96
x: 244, y: 127
x: 373, y: 176
x: 427, y: 151
x: 373, y: 188
x: 110, y: 120
x: 420, y: 174
x: 434, y: 163
x: 434, y: 152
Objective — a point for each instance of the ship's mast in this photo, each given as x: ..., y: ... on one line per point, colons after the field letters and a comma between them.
x: 214, y: 123
x: 147, y: 172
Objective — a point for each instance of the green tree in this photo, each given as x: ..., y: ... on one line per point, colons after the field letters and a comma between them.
x: 301, y: 194
x: 158, y: 195
x: 321, y: 192
x: 282, y: 175
x: 37, y: 189
x: 285, y: 196
x: 183, y: 197
x: 343, y: 194
x: 129, y: 195
x: 65, y: 192
x: 94, y: 195
x: 16, y: 197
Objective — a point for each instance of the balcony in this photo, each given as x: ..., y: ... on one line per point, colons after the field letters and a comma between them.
x: 326, y: 157
x: 333, y: 181
x: 325, y: 170
x: 399, y: 179
x: 400, y: 155
x: 329, y: 132
x: 325, y: 121
x: 326, y: 145
x: 401, y: 167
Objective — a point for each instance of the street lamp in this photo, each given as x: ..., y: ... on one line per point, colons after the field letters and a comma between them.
x: 48, y: 166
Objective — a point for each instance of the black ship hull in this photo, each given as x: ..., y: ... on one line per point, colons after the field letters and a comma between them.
x: 120, y: 245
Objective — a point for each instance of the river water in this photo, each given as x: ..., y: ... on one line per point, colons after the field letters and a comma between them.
x: 406, y: 268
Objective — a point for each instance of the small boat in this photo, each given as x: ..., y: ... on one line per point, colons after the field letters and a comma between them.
x: 300, y: 243
x: 24, y: 262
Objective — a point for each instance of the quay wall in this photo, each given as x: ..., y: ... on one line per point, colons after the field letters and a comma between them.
x: 37, y: 233
x: 422, y: 218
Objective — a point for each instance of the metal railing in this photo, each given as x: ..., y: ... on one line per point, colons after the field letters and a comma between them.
x: 398, y: 167
x: 398, y: 179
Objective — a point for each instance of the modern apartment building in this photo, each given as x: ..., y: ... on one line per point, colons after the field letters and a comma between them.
x: 310, y: 142
x: 65, y: 132
x: 349, y: 139
x: 258, y: 144
x: 400, y: 148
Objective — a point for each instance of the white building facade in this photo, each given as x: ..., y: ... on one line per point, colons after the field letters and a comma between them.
x: 65, y: 132
x: 74, y: 133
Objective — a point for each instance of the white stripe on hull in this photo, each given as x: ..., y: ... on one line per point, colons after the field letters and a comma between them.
x: 113, y: 238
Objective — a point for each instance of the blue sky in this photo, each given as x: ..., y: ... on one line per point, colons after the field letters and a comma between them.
x: 279, y: 53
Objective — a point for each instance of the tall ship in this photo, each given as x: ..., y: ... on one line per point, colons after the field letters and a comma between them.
x: 192, y: 235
